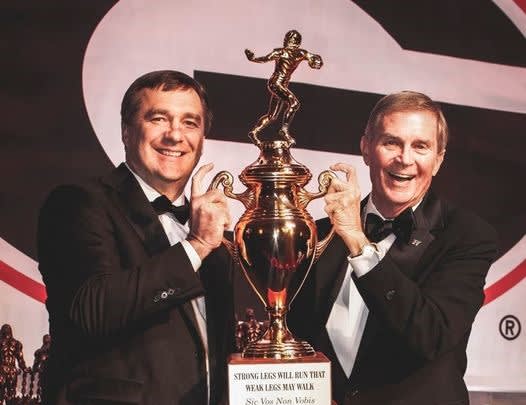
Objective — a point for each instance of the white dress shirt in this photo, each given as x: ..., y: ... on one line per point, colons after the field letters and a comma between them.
x: 177, y: 233
x: 348, y: 316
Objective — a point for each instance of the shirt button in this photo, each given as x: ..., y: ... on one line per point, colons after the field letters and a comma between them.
x: 164, y: 294
x: 171, y: 291
x: 389, y: 295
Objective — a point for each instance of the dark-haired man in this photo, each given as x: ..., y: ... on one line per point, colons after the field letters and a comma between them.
x: 139, y: 298
x: 392, y: 299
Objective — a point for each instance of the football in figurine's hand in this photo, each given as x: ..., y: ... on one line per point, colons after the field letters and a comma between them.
x: 315, y: 62
x: 249, y: 53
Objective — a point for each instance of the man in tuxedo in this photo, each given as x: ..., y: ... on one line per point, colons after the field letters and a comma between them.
x: 392, y: 299
x: 139, y: 299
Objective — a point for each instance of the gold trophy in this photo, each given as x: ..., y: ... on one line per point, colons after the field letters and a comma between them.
x: 275, y: 240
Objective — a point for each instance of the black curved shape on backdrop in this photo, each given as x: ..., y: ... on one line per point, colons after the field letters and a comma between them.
x: 468, y: 29
x: 46, y: 138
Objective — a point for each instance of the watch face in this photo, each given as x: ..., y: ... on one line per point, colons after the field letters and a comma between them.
x: 368, y: 250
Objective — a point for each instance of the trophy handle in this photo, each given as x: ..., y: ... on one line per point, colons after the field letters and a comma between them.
x: 304, y: 198
x: 324, y: 181
x: 322, y: 244
x: 226, y: 179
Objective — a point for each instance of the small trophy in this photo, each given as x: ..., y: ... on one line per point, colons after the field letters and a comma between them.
x: 275, y: 240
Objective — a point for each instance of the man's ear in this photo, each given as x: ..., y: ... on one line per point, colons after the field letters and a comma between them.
x: 438, y: 162
x: 125, y: 136
x: 364, y: 148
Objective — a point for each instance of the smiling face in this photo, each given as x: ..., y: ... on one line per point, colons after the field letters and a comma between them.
x: 164, y: 140
x: 402, y: 157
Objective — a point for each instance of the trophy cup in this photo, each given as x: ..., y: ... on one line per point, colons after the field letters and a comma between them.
x: 275, y: 240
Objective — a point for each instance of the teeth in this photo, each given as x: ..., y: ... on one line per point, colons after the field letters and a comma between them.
x: 171, y: 153
x: 402, y: 176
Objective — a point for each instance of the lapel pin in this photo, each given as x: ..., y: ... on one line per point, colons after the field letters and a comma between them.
x: 416, y: 242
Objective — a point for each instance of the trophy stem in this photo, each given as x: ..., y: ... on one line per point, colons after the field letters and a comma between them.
x: 278, y: 342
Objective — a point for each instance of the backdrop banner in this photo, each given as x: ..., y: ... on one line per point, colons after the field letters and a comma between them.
x: 70, y: 64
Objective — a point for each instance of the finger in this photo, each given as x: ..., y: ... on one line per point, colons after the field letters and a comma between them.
x: 345, y: 168
x: 328, y: 210
x: 331, y: 198
x: 337, y: 185
x: 340, y: 167
x: 197, y: 179
x: 332, y: 207
x: 214, y: 196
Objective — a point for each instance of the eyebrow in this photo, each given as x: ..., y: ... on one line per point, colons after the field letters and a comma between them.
x: 155, y: 111
x: 391, y: 136
x: 387, y: 135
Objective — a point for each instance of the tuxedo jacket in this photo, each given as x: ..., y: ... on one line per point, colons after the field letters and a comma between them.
x: 122, y: 325
x: 422, y: 299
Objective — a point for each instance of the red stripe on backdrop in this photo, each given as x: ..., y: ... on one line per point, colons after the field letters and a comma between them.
x: 511, y: 279
x: 521, y: 4
x: 37, y: 291
x: 22, y: 283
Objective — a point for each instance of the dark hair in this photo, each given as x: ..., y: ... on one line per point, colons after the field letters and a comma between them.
x: 407, y: 101
x: 165, y: 80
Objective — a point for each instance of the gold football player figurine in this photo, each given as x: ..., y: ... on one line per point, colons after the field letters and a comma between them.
x: 286, y: 61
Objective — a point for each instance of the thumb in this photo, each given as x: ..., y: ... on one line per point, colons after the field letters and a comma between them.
x: 197, y: 179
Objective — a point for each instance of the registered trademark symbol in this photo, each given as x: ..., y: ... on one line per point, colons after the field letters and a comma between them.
x: 510, y: 327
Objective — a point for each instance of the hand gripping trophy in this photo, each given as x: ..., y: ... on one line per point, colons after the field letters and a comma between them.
x: 275, y: 240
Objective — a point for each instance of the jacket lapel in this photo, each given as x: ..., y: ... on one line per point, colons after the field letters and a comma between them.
x: 131, y: 199
x: 427, y: 221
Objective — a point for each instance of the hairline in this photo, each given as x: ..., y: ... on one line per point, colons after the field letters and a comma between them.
x: 165, y: 80
x: 415, y: 102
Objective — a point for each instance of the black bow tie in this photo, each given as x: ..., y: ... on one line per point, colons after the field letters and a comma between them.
x: 377, y: 229
x: 162, y: 205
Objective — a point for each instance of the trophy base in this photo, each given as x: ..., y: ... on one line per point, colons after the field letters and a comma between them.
x: 305, y: 380
x: 266, y: 349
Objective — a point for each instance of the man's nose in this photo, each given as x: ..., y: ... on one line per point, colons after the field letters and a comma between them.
x: 406, y: 155
x: 174, y: 133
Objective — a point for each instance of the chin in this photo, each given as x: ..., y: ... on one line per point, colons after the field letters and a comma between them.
x: 172, y: 177
x: 398, y: 199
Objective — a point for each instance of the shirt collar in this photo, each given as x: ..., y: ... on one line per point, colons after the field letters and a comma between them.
x: 150, y: 192
x: 370, y: 208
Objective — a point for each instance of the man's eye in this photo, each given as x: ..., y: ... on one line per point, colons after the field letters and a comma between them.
x: 191, y: 124
x: 158, y: 118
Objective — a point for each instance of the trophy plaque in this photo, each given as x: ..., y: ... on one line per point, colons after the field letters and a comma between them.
x: 275, y: 244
